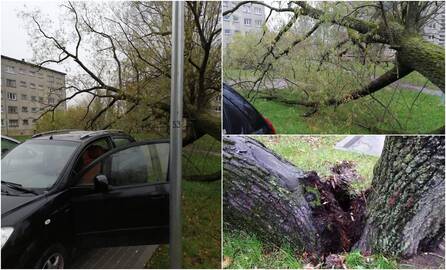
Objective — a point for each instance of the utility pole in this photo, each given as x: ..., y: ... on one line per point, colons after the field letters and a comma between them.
x: 176, y: 140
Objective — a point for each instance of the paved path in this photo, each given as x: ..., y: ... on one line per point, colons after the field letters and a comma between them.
x: 368, y: 144
x: 113, y: 258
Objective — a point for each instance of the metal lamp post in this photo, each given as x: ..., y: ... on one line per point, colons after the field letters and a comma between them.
x: 176, y: 140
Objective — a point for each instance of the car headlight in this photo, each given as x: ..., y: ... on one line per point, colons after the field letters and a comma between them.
x: 6, y: 233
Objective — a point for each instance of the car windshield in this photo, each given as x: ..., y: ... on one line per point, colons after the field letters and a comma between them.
x: 37, y: 163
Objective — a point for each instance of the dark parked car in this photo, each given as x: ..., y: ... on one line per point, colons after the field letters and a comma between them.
x: 240, y: 117
x: 8, y: 144
x: 69, y: 189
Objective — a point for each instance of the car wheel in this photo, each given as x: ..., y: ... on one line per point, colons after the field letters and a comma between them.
x: 55, y: 257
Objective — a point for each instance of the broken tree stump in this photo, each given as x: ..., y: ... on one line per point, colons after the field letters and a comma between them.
x: 282, y: 204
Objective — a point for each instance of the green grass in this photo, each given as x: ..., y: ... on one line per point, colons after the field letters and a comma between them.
x: 408, y: 113
x: 417, y: 79
x: 317, y: 153
x: 201, y: 228
x: 201, y: 211
x: 245, y: 251
x: 21, y: 138
x: 354, y: 260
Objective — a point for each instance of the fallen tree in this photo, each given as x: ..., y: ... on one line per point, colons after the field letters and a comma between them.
x: 267, y: 195
x: 396, y: 25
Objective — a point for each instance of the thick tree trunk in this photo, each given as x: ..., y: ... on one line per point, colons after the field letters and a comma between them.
x: 405, y: 207
x: 423, y: 56
x: 208, y: 122
x: 265, y: 194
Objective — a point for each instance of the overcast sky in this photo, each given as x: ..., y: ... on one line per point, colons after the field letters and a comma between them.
x: 15, y: 41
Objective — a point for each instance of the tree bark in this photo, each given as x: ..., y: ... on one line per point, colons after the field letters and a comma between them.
x: 208, y: 122
x: 267, y: 195
x: 405, y: 208
x: 423, y: 56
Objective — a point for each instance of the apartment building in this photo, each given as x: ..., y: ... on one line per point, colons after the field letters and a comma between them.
x: 434, y: 31
x: 26, y: 91
x: 248, y: 18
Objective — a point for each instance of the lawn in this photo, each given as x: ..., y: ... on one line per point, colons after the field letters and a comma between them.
x: 409, y: 112
x: 201, y: 203
x: 201, y: 228
x: 245, y: 250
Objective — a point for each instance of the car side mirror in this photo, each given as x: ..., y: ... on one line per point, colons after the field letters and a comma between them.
x: 101, y: 183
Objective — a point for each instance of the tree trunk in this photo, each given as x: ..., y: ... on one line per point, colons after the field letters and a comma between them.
x: 405, y: 208
x: 208, y: 123
x: 423, y: 56
x: 267, y: 195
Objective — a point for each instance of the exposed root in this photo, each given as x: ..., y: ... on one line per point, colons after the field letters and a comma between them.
x: 340, y: 215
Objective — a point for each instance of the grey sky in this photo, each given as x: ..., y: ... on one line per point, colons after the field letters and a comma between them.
x: 14, y: 34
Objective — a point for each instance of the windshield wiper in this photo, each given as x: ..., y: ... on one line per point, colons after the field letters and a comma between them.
x: 19, y: 187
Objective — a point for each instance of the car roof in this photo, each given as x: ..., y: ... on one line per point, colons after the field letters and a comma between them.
x: 249, y: 119
x: 75, y: 135
x: 10, y: 139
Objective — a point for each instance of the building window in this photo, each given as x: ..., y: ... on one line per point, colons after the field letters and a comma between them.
x: 34, y: 120
x: 226, y: 17
x: 247, y: 21
x: 32, y: 73
x: 235, y: 19
x: 40, y: 99
x: 13, y: 123
x: 12, y: 96
x: 40, y: 87
x: 51, y: 100
x: 10, y: 83
x: 22, y: 71
x: 10, y: 69
x: 24, y: 109
x: 24, y: 97
x: 34, y: 109
x: 227, y: 32
x: 12, y: 109
x: 258, y: 22
x: 23, y: 84
x: 3, y: 123
x: 257, y: 10
x: 51, y: 78
x: 32, y: 85
x: 25, y: 122
x: 33, y: 98
x: 248, y: 9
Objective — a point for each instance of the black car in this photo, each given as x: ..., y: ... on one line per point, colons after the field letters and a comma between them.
x: 240, y: 117
x: 72, y: 189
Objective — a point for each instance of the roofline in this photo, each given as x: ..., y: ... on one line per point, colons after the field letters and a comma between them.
x: 31, y: 64
x: 88, y: 133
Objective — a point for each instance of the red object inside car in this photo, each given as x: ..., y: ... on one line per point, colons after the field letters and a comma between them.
x: 270, y: 125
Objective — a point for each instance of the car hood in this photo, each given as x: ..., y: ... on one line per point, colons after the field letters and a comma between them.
x: 10, y: 203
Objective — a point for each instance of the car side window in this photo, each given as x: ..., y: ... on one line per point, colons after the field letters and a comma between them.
x: 90, y: 153
x: 121, y: 141
x: 140, y: 164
